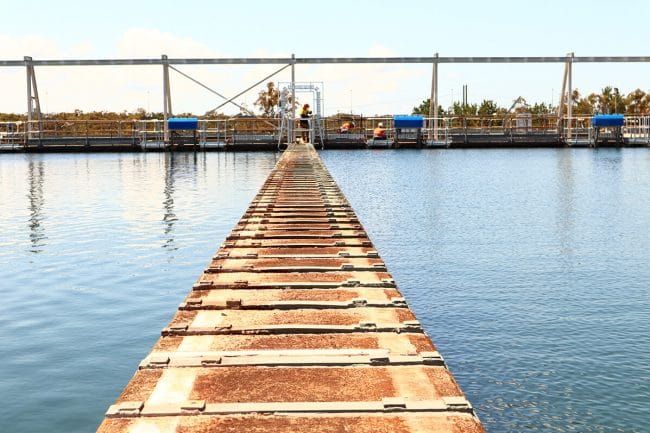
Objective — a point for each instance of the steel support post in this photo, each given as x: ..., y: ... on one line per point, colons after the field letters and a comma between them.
x: 28, y: 70
x: 292, y: 125
x: 167, y: 101
x: 570, y: 95
x: 33, y: 102
x: 560, y: 109
x: 433, y: 102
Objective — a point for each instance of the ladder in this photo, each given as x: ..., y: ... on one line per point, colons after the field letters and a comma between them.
x: 287, y: 125
x: 316, y: 129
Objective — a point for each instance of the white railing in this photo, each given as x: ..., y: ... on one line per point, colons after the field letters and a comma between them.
x: 574, y: 131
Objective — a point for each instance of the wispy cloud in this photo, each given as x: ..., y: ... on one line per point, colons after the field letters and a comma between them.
x: 367, y: 88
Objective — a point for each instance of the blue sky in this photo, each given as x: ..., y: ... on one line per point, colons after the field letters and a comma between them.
x: 76, y: 29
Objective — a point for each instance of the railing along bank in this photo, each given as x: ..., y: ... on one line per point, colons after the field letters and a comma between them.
x: 258, y: 129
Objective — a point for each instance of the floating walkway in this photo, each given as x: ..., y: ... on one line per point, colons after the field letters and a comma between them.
x: 295, y: 326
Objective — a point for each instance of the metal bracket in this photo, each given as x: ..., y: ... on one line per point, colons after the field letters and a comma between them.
x: 399, y: 302
x: 192, y: 406
x: 432, y: 358
x: 394, y: 403
x: 202, y: 285
x: 125, y: 409
x: 459, y: 404
x: 233, y: 303
x: 191, y: 303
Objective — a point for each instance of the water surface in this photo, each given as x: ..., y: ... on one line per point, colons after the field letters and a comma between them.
x: 528, y: 268
x: 97, y: 251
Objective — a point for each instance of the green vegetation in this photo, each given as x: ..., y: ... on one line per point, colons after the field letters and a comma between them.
x: 268, y: 100
x: 608, y: 101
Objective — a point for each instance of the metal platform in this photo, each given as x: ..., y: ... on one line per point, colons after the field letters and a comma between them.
x: 295, y: 325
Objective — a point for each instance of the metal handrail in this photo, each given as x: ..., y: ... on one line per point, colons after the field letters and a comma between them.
x: 637, y: 128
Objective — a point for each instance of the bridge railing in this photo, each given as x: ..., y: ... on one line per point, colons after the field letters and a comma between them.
x: 266, y: 130
x: 12, y: 134
x: 20, y: 133
x: 576, y: 130
x: 637, y: 129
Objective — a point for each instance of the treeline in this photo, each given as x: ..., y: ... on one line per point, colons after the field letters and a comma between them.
x: 139, y: 114
x: 608, y: 101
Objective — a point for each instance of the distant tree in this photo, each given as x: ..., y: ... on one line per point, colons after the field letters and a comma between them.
x: 268, y: 100
x: 637, y: 102
x: 459, y: 109
x: 541, y: 109
x: 606, y: 100
x: 12, y: 117
x: 581, y: 106
x: 487, y: 108
x: 423, y: 108
x: 594, y: 100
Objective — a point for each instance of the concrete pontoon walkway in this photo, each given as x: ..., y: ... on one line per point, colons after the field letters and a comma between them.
x: 295, y: 325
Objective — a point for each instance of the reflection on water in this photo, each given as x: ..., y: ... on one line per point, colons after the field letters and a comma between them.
x: 566, y: 204
x: 77, y: 317
x: 35, y: 179
x: 169, y: 216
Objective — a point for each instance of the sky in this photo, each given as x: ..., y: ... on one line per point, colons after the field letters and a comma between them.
x: 68, y: 29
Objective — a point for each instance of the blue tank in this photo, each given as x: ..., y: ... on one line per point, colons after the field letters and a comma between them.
x: 604, y: 120
x: 183, y: 123
x: 408, y: 121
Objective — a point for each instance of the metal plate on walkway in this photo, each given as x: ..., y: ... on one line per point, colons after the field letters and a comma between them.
x: 295, y: 325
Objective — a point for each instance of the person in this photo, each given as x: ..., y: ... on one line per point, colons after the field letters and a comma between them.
x: 380, y: 132
x: 305, y: 114
x: 346, y: 127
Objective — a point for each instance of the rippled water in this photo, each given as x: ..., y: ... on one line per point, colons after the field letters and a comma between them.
x: 530, y: 271
x: 97, y: 250
x: 528, y: 268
